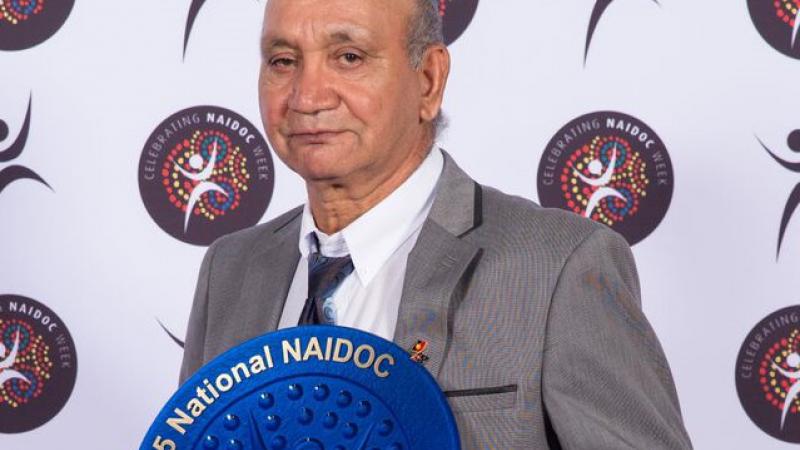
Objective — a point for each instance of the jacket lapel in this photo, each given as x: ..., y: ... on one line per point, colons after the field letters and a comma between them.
x: 439, y: 265
x: 269, y: 275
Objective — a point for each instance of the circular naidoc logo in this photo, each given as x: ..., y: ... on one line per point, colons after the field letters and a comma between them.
x: 27, y: 23
x: 777, y: 22
x: 38, y: 364
x: 609, y: 167
x: 308, y: 388
x: 767, y: 374
x: 205, y: 172
x: 456, y: 17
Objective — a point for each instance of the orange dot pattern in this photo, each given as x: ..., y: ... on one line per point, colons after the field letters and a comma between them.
x: 230, y: 174
x: 15, y: 11
x: 33, y: 361
x: 774, y: 384
x: 786, y: 10
x: 629, y: 179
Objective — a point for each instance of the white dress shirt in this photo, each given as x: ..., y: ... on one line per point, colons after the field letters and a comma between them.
x: 379, y: 243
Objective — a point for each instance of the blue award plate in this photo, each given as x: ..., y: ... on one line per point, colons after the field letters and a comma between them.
x: 308, y: 388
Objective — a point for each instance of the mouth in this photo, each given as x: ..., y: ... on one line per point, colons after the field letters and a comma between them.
x: 314, y: 137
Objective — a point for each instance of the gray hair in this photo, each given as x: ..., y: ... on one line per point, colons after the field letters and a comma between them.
x: 424, y: 30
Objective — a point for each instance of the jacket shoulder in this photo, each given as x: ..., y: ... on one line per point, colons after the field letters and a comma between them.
x: 524, y: 224
x: 247, y: 238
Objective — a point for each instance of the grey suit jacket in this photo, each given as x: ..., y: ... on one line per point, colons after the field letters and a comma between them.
x: 532, y: 317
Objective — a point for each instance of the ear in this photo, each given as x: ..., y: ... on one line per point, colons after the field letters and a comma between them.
x: 433, y: 72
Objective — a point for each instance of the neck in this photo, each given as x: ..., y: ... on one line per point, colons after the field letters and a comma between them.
x: 337, y: 205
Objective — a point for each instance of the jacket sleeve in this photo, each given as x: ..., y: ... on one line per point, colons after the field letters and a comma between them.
x: 606, y: 383
x: 194, y: 345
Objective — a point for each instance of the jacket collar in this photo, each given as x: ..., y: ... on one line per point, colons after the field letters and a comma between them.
x: 458, y: 204
x: 440, y: 263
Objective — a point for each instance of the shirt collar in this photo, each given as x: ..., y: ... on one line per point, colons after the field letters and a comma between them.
x: 377, y: 234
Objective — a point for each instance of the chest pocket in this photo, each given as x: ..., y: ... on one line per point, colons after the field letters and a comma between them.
x: 482, y: 399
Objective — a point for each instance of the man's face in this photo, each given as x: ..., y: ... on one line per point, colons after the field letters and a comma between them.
x: 339, y: 98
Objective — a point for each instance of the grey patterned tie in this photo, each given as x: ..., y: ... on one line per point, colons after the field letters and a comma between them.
x: 325, y: 274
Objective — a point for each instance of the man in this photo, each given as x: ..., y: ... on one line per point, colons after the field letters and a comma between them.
x: 531, y: 317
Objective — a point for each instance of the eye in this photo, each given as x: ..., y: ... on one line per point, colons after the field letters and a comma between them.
x: 281, y: 62
x: 351, y: 58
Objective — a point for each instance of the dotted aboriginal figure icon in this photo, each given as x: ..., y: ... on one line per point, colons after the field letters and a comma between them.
x: 768, y: 374
x: 27, y: 23
x: 13, y: 173
x: 784, y: 371
x: 24, y: 364
x: 595, y: 165
x: 611, y: 168
x: 197, y: 161
x: 205, y: 172
x: 777, y: 22
x: 38, y: 364
x: 793, y: 143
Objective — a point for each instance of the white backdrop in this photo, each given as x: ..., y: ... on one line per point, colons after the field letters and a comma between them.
x: 697, y: 72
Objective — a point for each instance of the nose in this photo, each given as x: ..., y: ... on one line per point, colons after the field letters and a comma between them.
x: 312, y: 90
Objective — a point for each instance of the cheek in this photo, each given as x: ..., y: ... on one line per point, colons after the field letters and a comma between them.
x: 273, y: 106
x: 388, y: 103
x: 371, y: 107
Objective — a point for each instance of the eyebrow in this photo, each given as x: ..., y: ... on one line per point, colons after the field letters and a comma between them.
x: 341, y: 37
x: 338, y: 36
x: 268, y: 44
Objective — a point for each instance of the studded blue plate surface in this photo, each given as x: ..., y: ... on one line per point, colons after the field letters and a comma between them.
x: 308, y: 388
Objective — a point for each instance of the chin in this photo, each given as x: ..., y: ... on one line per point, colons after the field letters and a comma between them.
x: 321, y: 163
x: 328, y: 174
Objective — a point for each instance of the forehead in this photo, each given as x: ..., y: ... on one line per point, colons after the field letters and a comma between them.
x: 299, y: 21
